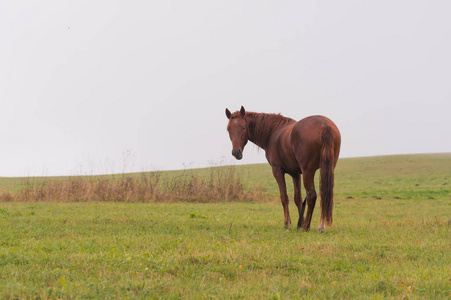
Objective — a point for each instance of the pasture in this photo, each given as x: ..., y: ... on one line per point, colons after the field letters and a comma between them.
x: 390, y: 239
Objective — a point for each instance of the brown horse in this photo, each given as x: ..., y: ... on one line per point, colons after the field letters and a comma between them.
x: 295, y: 148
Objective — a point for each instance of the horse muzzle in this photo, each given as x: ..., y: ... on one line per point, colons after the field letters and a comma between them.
x: 238, y: 154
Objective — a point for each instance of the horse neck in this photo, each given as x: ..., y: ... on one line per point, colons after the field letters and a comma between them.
x: 261, y: 126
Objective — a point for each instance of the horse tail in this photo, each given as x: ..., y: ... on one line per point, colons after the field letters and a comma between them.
x: 327, y: 166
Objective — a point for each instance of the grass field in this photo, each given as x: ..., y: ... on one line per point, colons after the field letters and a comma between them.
x: 390, y: 239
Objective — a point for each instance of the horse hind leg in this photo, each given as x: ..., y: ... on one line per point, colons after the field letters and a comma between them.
x: 301, y: 213
x: 311, y: 201
x: 321, y: 226
x: 309, y: 185
x: 298, y: 198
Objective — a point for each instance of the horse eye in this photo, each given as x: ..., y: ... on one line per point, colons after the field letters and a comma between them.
x: 244, y: 128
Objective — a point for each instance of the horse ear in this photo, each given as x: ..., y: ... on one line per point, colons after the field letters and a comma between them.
x: 228, y: 114
x: 242, y: 112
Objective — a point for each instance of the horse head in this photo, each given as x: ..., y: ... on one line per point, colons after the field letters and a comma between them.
x: 238, y: 131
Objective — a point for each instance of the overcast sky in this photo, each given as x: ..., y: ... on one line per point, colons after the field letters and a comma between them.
x: 85, y: 85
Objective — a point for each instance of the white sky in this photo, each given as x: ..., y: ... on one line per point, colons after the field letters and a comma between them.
x: 84, y: 82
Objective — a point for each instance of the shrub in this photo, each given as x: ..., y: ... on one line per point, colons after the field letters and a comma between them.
x: 221, y: 184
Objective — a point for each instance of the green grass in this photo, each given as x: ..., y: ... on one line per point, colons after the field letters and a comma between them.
x: 390, y: 239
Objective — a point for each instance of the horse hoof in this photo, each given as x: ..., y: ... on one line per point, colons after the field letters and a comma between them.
x: 321, y: 229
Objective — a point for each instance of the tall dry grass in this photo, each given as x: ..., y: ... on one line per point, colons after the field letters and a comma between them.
x: 221, y: 184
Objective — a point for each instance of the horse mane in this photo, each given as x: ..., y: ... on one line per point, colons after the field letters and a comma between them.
x: 262, y: 125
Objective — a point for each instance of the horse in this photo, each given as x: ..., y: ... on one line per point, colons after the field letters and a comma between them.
x: 295, y: 148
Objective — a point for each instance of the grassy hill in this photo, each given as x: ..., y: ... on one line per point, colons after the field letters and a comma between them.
x: 390, y: 176
x: 390, y: 239
x: 396, y: 176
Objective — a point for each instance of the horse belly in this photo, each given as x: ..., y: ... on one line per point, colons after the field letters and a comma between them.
x: 287, y: 153
x: 292, y: 169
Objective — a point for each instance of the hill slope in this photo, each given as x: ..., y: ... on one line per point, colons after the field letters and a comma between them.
x: 390, y: 239
x: 400, y: 176
x: 397, y: 175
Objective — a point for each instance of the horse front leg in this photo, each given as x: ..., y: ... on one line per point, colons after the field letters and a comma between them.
x: 280, y: 178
